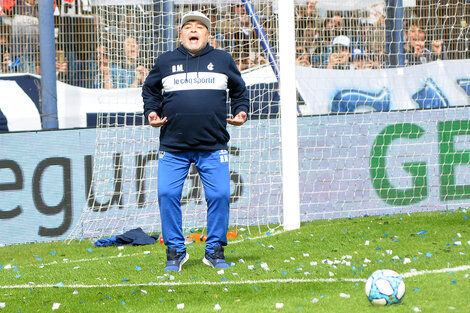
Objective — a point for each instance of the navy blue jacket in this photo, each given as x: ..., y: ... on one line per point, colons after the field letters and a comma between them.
x: 191, y: 91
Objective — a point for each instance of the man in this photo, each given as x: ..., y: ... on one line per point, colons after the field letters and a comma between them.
x: 418, y: 54
x: 25, y: 36
x: 340, y: 54
x: 101, y: 69
x: 129, y: 74
x: 185, y: 94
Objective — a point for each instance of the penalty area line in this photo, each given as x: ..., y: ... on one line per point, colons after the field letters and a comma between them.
x: 241, y: 282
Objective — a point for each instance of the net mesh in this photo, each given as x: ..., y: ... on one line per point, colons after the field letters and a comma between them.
x: 123, y: 191
x: 382, y: 98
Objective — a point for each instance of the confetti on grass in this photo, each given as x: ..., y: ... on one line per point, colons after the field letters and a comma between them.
x: 55, y: 306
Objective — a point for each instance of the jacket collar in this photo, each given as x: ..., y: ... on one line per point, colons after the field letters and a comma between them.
x: 204, y: 51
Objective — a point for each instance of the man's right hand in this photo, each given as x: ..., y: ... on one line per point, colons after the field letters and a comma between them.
x: 155, y: 120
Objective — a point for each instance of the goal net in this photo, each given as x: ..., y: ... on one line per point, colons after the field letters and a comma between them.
x: 382, y: 101
x: 123, y: 190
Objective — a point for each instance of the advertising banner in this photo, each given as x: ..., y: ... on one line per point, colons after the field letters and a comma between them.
x: 390, y: 163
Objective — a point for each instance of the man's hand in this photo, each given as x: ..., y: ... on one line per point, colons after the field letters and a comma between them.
x: 155, y: 120
x: 436, y: 46
x: 238, y: 120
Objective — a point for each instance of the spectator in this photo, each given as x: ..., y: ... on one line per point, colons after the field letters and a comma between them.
x: 218, y: 38
x: 130, y: 74
x: 101, y: 69
x: 310, y: 39
x: 61, y: 66
x: 365, y: 34
x: 438, y: 50
x: 243, y: 44
x: 306, y: 17
x: 5, y: 57
x: 258, y: 60
x: 377, y: 56
x: 302, y: 58
x: 215, y: 42
x: 418, y: 54
x: 411, y: 34
x: 333, y: 26
x: 240, y: 36
x: 339, y: 58
x: 25, y: 35
x: 360, y: 61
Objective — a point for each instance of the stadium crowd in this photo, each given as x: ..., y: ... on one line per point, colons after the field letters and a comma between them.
x: 324, y: 39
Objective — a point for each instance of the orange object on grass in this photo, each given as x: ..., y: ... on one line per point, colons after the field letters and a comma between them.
x: 197, y: 237
x: 232, y: 234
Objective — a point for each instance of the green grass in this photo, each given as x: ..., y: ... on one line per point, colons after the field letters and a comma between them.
x: 135, y: 281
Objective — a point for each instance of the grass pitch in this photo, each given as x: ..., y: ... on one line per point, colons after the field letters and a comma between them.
x: 320, y: 268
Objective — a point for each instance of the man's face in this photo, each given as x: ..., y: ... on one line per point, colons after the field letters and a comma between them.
x: 131, y: 48
x: 101, y: 57
x: 412, y: 34
x: 240, y: 12
x: 334, y: 25
x: 194, y: 36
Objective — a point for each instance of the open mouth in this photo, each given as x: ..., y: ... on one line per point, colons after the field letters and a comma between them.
x: 193, y: 39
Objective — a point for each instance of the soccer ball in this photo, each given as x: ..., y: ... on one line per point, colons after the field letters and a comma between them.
x: 385, y: 287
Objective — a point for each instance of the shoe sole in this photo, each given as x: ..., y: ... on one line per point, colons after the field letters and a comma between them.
x: 207, y: 262
x: 186, y: 257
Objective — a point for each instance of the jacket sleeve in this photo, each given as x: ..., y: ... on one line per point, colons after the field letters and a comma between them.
x: 152, y: 92
x: 239, y: 99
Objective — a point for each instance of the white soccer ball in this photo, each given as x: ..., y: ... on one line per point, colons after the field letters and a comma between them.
x: 385, y: 287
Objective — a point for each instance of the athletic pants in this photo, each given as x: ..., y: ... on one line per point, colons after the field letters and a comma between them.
x: 213, y: 168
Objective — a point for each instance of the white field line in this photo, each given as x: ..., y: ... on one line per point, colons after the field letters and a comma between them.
x: 242, y: 282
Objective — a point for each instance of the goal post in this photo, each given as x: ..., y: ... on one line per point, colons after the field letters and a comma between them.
x: 288, y: 103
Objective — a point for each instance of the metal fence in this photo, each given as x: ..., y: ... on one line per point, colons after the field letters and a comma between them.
x: 114, y: 46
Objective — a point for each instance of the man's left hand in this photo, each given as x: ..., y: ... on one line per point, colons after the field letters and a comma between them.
x: 238, y: 120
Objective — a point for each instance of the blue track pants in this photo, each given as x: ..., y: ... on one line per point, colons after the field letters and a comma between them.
x: 213, y: 168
